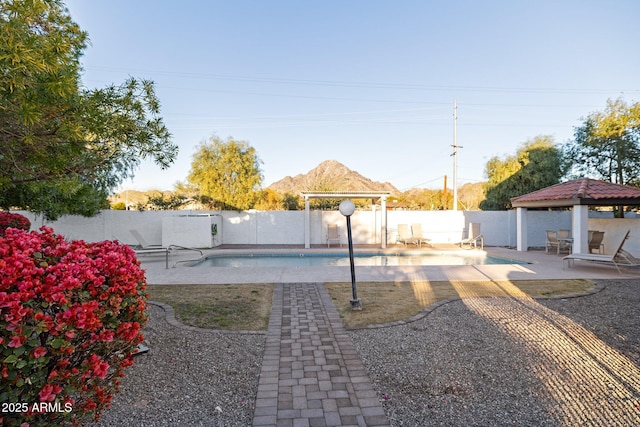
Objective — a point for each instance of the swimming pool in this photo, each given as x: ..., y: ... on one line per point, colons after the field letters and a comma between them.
x: 360, y: 259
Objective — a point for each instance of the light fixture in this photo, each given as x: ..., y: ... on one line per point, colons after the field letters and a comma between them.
x: 347, y: 208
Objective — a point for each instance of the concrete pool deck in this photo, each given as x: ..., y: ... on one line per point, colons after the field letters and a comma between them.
x: 543, y: 266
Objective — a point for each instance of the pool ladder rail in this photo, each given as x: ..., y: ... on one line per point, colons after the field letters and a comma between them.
x: 170, y: 250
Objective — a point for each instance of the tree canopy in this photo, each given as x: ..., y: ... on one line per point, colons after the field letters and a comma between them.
x: 537, y: 164
x: 607, y: 144
x: 64, y: 148
x: 227, y: 171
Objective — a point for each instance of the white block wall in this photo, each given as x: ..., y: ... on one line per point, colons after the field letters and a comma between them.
x: 287, y: 227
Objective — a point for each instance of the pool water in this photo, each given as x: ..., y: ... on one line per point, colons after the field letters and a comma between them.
x: 363, y: 259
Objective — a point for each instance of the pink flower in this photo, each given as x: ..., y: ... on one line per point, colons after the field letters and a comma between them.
x: 39, y: 352
x: 17, y: 341
x: 98, y: 366
x: 100, y: 369
x: 49, y: 392
x: 106, y: 336
x: 128, y: 330
x: 59, y: 297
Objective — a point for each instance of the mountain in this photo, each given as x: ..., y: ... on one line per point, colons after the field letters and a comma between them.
x: 330, y: 175
x: 130, y: 197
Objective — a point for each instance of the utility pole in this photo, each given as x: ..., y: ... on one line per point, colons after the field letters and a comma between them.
x: 455, y: 155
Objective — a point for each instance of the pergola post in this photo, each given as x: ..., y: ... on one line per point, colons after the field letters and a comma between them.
x: 382, y: 195
x: 383, y: 220
x: 580, y: 226
x: 307, y: 223
x: 522, y: 243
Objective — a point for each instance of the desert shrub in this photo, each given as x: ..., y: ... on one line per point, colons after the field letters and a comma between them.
x: 70, y: 320
x: 13, y: 220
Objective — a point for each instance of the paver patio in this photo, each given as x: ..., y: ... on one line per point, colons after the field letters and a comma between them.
x: 311, y: 374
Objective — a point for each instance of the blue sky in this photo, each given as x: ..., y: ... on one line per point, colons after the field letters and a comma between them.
x: 369, y: 83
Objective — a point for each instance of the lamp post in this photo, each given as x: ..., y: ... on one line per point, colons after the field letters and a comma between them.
x: 347, y: 208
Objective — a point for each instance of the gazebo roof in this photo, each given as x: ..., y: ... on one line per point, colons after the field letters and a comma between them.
x: 584, y: 191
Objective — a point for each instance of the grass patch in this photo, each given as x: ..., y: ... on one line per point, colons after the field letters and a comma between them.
x: 386, y: 302
x: 247, y: 307
x: 229, y: 307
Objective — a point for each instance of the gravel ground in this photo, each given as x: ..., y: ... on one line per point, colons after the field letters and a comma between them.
x: 189, y: 377
x: 513, y: 362
x: 477, y: 362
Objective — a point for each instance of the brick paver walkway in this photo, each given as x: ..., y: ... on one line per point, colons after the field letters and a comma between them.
x: 311, y: 374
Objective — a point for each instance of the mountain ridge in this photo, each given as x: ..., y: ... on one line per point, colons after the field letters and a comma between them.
x: 330, y: 175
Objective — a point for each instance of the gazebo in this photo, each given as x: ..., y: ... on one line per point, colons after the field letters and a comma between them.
x: 578, y: 194
x: 373, y: 195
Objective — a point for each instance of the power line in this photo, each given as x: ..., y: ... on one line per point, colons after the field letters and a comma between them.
x: 405, y: 86
x: 285, y: 116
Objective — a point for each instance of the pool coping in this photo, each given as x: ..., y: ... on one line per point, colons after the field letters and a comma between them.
x: 345, y: 255
x: 542, y: 266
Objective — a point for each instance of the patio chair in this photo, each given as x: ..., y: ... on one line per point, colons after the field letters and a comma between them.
x: 333, y: 234
x: 565, y: 241
x: 554, y: 242
x: 405, y: 236
x: 473, y: 236
x: 619, y: 258
x: 416, y: 232
x: 595, y: 241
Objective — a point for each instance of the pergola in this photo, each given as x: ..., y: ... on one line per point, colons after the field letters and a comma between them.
x: 373, y: 195
x: 578, y: 194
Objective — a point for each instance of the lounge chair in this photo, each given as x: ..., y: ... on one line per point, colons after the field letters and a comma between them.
x: 416, y: 232
x: 620, y: 257
x: 405, y: 236
x: 595, y: 241
x: 145, y: 248
x: 333, y: 234
x: 473, y: 236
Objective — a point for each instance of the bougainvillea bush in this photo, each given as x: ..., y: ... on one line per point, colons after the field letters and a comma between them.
x: 70, y: 320
x: 13, y: 220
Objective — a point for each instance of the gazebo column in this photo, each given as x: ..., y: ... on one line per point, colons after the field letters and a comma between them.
x: 307, y: 223
x: 522, y: 243
x: 580, y: 226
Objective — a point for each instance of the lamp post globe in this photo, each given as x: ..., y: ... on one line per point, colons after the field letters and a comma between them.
x: 347, y: 208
